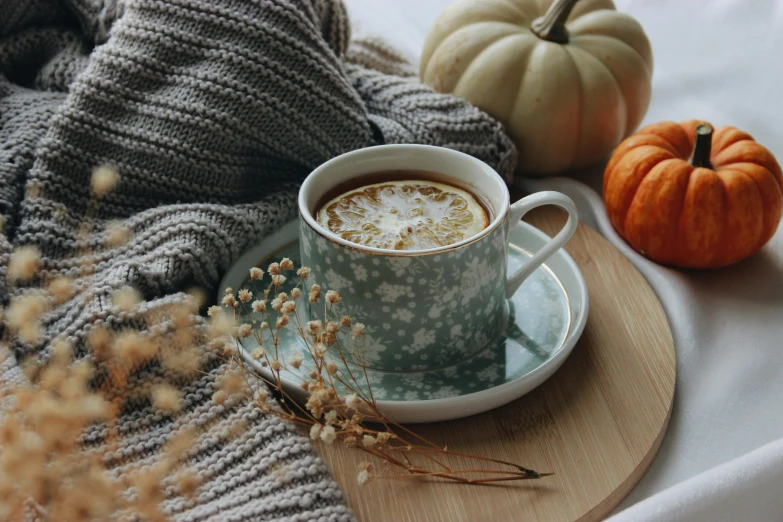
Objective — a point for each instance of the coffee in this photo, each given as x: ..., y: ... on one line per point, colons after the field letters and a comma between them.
x: 412, y: 213
x: 415, y: 297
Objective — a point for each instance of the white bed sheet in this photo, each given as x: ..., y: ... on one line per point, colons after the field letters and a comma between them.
x: 718, y: 60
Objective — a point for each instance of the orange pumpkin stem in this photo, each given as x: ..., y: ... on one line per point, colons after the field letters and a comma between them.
x: 551, y: 26
x: 702, y: 147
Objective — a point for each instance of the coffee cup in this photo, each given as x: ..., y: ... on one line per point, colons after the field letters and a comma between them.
x: 423, y: 309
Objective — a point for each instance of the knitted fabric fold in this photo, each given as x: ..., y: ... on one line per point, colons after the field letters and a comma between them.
x: 213, y: 111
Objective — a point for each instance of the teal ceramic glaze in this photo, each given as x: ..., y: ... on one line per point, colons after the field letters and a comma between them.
x: 427, y: 311
x: 538, y: 321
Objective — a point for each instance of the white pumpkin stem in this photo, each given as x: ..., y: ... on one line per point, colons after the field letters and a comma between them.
x: 551, y: 26
x: 702, y: 147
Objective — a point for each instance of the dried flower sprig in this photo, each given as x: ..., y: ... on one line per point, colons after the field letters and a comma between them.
x: 341, y: 406
x: 45, y: 470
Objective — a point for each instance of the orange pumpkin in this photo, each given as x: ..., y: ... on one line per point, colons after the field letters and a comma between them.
x: 684, y: 195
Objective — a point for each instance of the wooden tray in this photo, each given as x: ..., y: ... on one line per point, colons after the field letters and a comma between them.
x: 597, y: 423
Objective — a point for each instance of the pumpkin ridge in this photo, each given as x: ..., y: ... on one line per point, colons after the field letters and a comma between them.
x: 664, y: 130
x: 749, y: 151
x: 727, y: 136
x: 724, y: 256
x: 726, y: 156
x: 468, y: 74
x: 724, y: 223
x: 677, y: 250
x: 626, y: 146
x: 771, y: 215
x: 608, y: 69
x: 669, y: 146
x: 621, y: 209
x: 673, y: 171
x: 454, y: 17
x: 523, y: 71
x: 577, y: 37
x: 702, y: 254
x: 438, y: 59
x: 654, y: 223
x: 761, y: 239
x: 585, y: 149
x: 515, y: 6
x: 582, y: 26
x: 627, y: 216
x: 769, y: 162
x: 630, y: 125
x: 578, y: 113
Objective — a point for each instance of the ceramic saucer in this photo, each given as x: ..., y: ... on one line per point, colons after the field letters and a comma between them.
x: 546, y: 316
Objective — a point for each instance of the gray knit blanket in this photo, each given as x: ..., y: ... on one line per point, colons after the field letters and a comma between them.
x: 213, y: 111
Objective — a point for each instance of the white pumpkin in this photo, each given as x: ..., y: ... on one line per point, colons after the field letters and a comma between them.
x: 569, y: 79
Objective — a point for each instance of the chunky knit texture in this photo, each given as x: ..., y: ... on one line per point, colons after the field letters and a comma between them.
x: 213, y: 111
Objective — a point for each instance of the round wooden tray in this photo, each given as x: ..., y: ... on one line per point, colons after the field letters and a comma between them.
x: 597, y: 423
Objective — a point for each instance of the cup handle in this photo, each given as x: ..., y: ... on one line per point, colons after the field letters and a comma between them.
x: 522, y: 207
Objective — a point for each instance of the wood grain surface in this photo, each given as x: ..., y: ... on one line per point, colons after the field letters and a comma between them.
x: 597, y: 423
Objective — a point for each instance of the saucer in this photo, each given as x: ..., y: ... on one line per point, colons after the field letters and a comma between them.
x: 545, y: 316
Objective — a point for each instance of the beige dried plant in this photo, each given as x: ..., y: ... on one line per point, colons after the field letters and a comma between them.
x: 46, y: 472
x: 341, y: 406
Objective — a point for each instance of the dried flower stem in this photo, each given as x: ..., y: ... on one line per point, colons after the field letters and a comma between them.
x: 330, y: 415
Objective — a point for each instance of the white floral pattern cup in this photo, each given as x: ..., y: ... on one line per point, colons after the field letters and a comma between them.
x: 423, y: 309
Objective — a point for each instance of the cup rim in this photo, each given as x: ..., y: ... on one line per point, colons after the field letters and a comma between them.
x: 310, y: 180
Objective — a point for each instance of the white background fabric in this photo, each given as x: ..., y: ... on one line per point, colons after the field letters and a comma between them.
x: 722, y: 457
